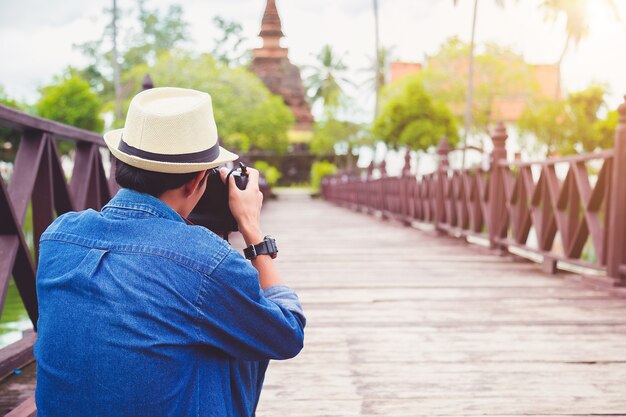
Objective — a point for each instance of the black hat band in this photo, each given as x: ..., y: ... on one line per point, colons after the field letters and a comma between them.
x: 208, y: 155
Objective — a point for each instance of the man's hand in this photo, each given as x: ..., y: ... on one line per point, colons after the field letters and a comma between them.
x: 246, y: 208
x: 246, y: 205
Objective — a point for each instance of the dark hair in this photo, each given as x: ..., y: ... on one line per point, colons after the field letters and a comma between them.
x: 149, y: 182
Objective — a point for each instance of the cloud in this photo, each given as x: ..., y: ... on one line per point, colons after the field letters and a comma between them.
x: 36, y: 36
x: 28, y: 14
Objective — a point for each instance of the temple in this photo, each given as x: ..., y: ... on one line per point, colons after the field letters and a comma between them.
x: 271, y: 63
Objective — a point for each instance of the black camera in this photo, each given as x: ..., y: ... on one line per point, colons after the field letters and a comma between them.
x: 213, y: 211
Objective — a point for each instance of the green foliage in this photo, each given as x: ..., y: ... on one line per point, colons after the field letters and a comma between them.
x: 158, y: 32
x: 152, y: 33
x: 319, y: 170
x: 271, y: 173
x: 8, y: 101
x: 499, y: 73
x: 571, y: 125
x: 248, y: 116
x: 377, y: 70
x: 325, y: 84
x: 604, y: 130
x: 331, y: 132
x: 70, y: 100
x: 412, y: 117
x: 228, y: 46
x: 9, y: 138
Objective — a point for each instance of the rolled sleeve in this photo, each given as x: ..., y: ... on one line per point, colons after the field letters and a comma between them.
x: 287, y: 298
x: 235, y: 315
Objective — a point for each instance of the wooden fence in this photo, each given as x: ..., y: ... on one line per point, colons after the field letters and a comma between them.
x: 569, y: 209
x: 38, y: 181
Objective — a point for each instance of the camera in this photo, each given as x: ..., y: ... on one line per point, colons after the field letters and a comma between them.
x: 213, y: 211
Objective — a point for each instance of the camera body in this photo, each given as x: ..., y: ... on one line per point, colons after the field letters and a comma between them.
x: 213, y: 211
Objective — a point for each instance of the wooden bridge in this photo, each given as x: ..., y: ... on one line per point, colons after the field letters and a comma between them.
x: 405, y: 322
x: 423, y: 302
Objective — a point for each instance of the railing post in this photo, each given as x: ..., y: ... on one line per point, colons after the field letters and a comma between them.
x: 443, y: 149
x: 405, y: 187
x: 616, y: 225
x: 497, y: 203
x: 367, y: 188
x: 381, y: 188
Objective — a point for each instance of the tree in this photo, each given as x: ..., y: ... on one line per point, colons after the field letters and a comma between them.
x: 326, y: 82
x: 576, y: 20
x: 9, y: 138
x: 153, y: 33
x: 501, y: 73
x: 571, y: 125
x: 70, y: 100
x: 412, y: 117
x: 228, y: 45
x: 378, y: 73
x: 248, y: 116
x: 329, y: 133
x: 8, y: 101
x: 158, y: 32
x: 469, y: 104
x: 379, y: 80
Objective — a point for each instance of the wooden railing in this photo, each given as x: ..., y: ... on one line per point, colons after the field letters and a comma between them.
x: 569, y: 210
x: 39, y: 181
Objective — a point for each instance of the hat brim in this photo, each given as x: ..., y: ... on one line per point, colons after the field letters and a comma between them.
x: 112, y: 140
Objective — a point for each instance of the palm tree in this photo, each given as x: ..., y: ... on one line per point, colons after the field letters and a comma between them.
x: 377, y: 64
x: 577, y: 21
x: 470, y: 82
x: 377, y: 70
x: 327, y: 79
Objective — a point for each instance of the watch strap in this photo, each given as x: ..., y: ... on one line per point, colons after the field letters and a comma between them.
x: 266, y: 247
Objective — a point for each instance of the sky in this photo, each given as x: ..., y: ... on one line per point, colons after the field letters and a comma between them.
x: 37, y: 37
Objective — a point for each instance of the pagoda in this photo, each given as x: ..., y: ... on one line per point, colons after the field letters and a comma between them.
x: 271, y: 63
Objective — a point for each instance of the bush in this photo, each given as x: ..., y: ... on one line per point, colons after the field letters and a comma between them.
x: 271, y: 173
x: 319, y: 170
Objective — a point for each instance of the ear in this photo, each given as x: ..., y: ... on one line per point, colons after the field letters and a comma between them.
x: 191, y: 186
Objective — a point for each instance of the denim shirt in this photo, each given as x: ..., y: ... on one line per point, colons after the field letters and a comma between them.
x: 142, y: 314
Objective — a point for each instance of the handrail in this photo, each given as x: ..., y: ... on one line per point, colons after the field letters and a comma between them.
x: 16, y: 119
x: 561, y: 159
x: 568, y: 215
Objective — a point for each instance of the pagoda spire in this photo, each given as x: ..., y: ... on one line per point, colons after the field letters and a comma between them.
x: 271, y: 26
x: 271, y: 63
x: 271, y: 33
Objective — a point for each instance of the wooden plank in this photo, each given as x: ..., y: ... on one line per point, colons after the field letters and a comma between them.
x: 17, y: 355
x: 19, y: 120
x: 404, y: 323
x: 25, y: 409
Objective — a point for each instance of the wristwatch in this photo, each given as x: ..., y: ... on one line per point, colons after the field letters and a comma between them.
x: 266, y: 247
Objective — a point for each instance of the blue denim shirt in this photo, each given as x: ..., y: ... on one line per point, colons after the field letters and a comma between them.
x: 141, y: 314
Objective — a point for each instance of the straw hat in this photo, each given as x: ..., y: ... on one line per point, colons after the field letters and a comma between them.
x: 170, y: 130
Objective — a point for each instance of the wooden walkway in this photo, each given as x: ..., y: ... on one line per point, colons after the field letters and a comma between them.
x: 402, y: 322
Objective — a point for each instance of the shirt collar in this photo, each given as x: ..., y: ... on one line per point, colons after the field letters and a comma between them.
x: 134, y: 200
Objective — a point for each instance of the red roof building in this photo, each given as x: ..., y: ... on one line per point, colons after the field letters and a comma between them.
x: 546, y: 78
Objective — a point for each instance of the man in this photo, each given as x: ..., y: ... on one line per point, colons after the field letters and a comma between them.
x: 142, y: 313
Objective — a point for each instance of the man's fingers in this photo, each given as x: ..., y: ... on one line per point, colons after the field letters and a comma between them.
x: 253, y: 179
x: 223, y: 174
x: 232, y: 183
x: 254, y: 174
